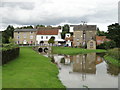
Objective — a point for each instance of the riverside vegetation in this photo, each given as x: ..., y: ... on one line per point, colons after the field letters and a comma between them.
x: 30, y: 70
x: 113, y: 56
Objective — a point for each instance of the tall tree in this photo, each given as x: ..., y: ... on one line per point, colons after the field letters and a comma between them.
x: 65, y: 29
x: 9, y: 32
x: 114, y: 33
x: 101, y: 33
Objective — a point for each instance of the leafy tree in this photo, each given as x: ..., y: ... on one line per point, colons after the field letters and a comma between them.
x: 11, y: 40
x: 114, y: 33
x: 65, y: 30
x: 101, y: 33
x: 51, y: 40
x: 25, y: 27
x: 37, y: 26
x: 9, y: 32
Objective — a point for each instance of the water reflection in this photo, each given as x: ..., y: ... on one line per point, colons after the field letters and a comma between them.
x: 86, y: 69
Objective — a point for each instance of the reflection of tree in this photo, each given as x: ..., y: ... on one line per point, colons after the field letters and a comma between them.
x: 113, y: 70
x: 52, y: 59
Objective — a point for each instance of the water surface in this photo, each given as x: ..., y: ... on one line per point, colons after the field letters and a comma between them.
x: 89, y: 70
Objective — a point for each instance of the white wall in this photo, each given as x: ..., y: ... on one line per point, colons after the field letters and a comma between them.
x: 38, y: 37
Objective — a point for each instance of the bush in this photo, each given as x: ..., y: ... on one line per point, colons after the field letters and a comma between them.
x: 9, y: 52
x: 114, y: 53
x: 107, y: 45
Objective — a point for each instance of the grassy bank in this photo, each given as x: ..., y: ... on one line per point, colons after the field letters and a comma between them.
x: 112, y: 60
x: 30, y: 70
x: 73, y: 51
x: 113, y: 56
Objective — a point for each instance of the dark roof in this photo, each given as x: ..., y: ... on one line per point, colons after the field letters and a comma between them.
x: 24, y: 30
x: 85, y: 27
x: 48, y: 32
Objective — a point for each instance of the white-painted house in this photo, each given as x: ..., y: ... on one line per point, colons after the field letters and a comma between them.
x: 43, y: 35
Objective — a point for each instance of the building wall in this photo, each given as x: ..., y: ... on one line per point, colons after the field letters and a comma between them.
x: 91, y: 44
x: 90, y: 35
x: 45, y: 38
x: 25, y: 37
x: 78, y: 37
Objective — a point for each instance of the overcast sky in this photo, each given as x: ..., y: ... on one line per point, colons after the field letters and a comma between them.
x: 58, y: 12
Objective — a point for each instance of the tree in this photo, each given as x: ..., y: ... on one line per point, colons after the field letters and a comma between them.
x: 51, y: 40
x: 101, y: 33
x: 37, y: 26
x: 11, y: 40
x: 25, y: 27
x: 65, y: 30
x: 114, y: 33
x: 9, y: 32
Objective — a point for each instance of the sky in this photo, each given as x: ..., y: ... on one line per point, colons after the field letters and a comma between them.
x: 58, y: 12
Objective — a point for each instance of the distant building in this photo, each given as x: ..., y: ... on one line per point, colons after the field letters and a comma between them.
x: 44, y: 34
x: 83, y: 33
x: 25, y: 36
x: 68, y: 39
x: 101, y: 39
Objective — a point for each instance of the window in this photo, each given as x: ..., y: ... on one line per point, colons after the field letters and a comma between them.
x: 84, y: 36
x: 31, y: 37
x: 24, y: 35
x: 18, y: 42
x: 46, y: 37
x: 91, y: 44
x: 31, y: 42
x: 77, y: 39
x: 41, y: 37
x: 18, y: 37
x: 31, y: 32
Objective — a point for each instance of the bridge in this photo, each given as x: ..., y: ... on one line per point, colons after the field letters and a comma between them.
x: 43, y: 49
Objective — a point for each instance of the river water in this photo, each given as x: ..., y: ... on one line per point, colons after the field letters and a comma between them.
x: 86, y: 70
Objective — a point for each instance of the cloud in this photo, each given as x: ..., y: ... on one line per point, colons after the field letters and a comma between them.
x: 56, y: 12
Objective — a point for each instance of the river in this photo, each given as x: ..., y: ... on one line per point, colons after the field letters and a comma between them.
x: 86, y: 70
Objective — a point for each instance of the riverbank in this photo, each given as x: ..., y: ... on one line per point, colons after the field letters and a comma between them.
x: 112, y: 60
x: 30, y: 70
x: 113, y: 56
x: 73, y: 51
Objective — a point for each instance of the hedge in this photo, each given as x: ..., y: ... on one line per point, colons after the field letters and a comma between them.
x: 10, y: 54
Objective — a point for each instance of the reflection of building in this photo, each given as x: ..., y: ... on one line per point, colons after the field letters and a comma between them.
x: 84, y: 63
x: 83, y: 33
x: 25, y: 36
x: 99, y: 60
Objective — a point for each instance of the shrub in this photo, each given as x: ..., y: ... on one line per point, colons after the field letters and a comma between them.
x: 9, y: 52
x: 115, y: 53
x: 107, y: 45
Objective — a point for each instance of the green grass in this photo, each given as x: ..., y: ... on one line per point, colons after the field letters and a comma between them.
x: 30, y: 70
x: 73, y: 51
x: 112, y: 60
x: 114, y: 53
